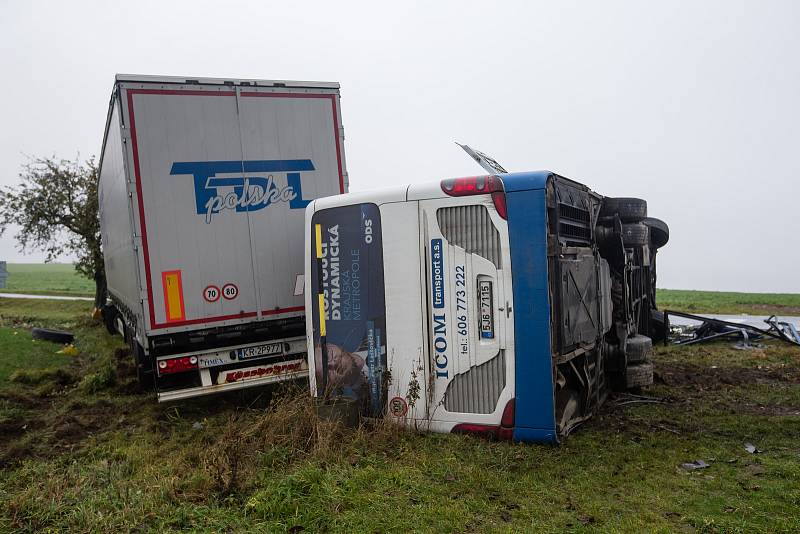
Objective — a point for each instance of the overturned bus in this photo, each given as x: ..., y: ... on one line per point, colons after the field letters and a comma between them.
x: 505, y: 305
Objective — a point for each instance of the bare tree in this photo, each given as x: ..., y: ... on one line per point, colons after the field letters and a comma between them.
x: 55, y: 205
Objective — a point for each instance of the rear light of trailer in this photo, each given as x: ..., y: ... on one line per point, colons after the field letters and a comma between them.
x: 177, y: 365
x: 478, y: 185
x: 504, y: 432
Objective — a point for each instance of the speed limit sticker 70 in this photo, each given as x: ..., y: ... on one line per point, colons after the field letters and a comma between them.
x: 230, y: 291
x: 211, y: 293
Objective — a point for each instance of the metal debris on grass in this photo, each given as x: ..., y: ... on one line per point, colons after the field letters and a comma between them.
x: 697, y: 464
x: 752, y: 449
x: 711, y: 328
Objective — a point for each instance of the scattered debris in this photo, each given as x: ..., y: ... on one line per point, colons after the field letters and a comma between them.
x: 711, y: 329
x: 69, y: 350
x: 785, y: 330
x: 752, y: 449
x: 197, y: 425
x: 56, y: 336
x: 630, y: 398
x: 697, y: 464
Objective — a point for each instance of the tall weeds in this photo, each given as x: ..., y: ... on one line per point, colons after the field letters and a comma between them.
x: 289, y: 425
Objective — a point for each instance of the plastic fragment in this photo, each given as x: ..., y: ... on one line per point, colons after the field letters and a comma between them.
x: 697, y: 464
x: 752, y: 449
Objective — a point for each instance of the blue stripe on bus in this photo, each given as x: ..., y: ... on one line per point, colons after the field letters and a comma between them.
x: 527, y: 227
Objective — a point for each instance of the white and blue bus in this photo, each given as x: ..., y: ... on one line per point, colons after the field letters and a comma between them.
x: 505, y: 305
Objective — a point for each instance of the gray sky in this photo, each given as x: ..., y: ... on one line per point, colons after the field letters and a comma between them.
x: 690, y: 105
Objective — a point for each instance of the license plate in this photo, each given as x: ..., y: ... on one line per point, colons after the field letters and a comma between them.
x: 270, y: 349
x: 487, y: 309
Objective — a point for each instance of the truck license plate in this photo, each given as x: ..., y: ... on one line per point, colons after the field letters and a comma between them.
x: 260, y: 350
x: 487, y: 309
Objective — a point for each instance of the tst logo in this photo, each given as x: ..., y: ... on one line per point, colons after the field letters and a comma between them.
x: 244, y: 193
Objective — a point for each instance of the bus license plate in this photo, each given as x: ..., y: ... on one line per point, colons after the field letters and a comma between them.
x: 260, y: 350
x: 487, y: 309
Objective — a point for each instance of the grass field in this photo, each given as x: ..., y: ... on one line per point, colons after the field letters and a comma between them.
x: 81, y: 451
x: 47, y: 279
x: 728, y: 303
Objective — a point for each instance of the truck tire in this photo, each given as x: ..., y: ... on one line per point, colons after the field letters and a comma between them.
x: 639, y: 375
x: 659, y: 231
x: 56, y: 336
x: 635, y: 235
x: 145, y: 371
x: 628, y: 209
x: 638, y: 349
x: 110, y: 314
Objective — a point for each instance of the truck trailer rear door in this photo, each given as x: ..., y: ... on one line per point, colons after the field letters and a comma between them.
x: 223, y: 174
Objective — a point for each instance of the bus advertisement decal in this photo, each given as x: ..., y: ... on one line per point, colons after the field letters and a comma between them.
x: 347, y: 275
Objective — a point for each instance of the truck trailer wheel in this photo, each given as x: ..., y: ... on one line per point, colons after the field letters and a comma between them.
x: 635, y: 235
x: 110, y: 314
x: 628, y: 209
x: 145, y: 372
x: 659, y: 231
x: 638, y: 349
x: 639, y: 375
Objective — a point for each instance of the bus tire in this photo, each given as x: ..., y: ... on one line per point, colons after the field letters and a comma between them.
x: 635, y: 235
x: 659, y: 231
x: 628, y: 209
x: 638, y: 349
x: 639, y: 375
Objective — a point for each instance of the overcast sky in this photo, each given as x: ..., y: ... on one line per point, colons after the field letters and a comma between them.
x: 694, y: 106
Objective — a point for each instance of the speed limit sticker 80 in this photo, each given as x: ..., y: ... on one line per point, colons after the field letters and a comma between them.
x: 230, y: 291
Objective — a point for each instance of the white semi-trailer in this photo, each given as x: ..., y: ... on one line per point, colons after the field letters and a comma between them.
x: 203, y: 189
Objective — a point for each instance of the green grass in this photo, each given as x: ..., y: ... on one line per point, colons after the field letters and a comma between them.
x: 42, y: 312
x: 47, y: 279
x: 103, y: 458
x: 728, y: 303
x: 29, y: 353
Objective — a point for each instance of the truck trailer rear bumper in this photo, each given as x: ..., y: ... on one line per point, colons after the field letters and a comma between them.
x: 164, y: 396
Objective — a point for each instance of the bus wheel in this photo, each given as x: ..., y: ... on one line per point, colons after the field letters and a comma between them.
x: 659, y: 231
x: 640, y: 375
x: 628, y: 209
x: 635, y: 235
x: 638, y: 348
